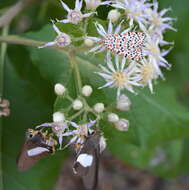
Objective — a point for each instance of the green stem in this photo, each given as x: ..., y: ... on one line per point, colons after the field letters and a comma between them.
x: 2, y: 63
x: 69, y: 98
x: 12, y: 39
x: 76, y: 115
x: 76, y: 72
x: 2, y: 58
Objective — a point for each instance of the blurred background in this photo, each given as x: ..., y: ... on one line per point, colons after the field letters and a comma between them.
x: 153, y: 157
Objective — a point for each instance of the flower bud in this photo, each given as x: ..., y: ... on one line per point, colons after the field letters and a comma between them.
x: 99, y: 107
x: 59, y: 128
x: 122, y: 125
x: 77, y: 104
x: 59, y: 89
x: 88, y: 42
x: 123, y: 103
x: 58, y: 117
x: 102, y: 144
x: 75, y: 16
x: 113, y: 118
x: 63, y: 39
x: 92, y: 4
x: 114, y: 15
x: 87, y: 90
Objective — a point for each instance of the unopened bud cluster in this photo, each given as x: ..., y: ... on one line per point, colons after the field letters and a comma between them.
x: 119, y: 124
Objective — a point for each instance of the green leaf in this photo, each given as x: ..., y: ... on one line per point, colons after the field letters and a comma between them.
x: 27, y: 110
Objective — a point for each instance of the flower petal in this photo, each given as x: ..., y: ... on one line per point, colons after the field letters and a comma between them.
x: 65, y: 6
x: 47, y: 44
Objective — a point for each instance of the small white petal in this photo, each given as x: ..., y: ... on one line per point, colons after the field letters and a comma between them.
x: 74, y: 124
x: 117, y: 61
x: 63, y: 21
x: 105, y: 76
x: 94, y: 38
x: 110, y: 28
x: 65, y: 6
x: 47, y: 44
x: 95, y: 48
x: 56, y: 29
x: 106, y: 85
x: 88, y: 14
x: 105, y: 69
x: 100, y: 30
x: 106, y: 3
x: 123, y: 63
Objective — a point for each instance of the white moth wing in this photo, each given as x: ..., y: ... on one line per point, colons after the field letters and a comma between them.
x: 85, y: 160
x: 36, y: 151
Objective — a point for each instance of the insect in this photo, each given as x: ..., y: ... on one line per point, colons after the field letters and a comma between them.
x: 129, y: 44
x: 87, y: 161
x: 36, y: 146
x: 79, y: 134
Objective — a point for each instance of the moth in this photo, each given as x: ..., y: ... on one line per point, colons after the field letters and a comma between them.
x: 87, y: 161
x: 36, y: 146
x: 129, y: 44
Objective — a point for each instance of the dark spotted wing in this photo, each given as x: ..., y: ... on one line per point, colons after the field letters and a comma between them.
x: 87, y: 162
x: 32, y: 151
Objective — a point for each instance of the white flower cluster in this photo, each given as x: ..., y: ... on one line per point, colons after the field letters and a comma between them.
x: 133, y: 41
x: 74, y: 16
x: 141, y: 60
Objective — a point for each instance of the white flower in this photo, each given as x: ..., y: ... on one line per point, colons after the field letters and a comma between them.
x: 58, y: 126
x: 58, y: 117
x: 119, y: 76
x: 87, y: 90
x: 123, y: 103
x: 77, y: 104
x: 79, y: 133
x: 61, y: 40
x: 59, y: 89
x: 99, y: 107
x: 147, y: 73
x: 157, y: 21
x: 74, y: 16
x: 113, y: 118
x: 88, y: 42
x: 155, y: 55
x: 104, y: 36
x: 134, y: 9
x: 122, y: 125
x: 93, y: 4
x: 114, y: 15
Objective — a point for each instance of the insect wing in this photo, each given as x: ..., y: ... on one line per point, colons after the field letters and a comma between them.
x: 87, y: 162
x: 32, y: 151
x: 129, y: 44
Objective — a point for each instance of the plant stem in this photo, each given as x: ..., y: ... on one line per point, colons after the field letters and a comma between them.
x: 2, y: 58
x: 12, y: 39
x: 77, y: 76
x: 2, y: 62
x: 76, y: 115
